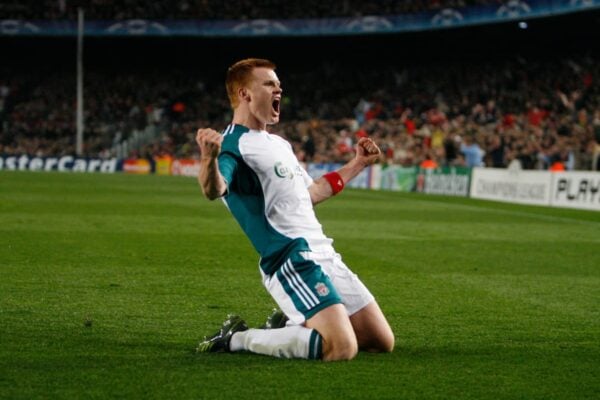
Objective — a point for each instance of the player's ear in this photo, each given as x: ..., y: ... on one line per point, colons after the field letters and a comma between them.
x: 244, y: 94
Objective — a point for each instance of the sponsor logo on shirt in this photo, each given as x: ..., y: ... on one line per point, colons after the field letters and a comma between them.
x: 283, y: 171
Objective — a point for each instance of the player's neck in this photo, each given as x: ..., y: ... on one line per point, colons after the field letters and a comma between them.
x: 240, y: 117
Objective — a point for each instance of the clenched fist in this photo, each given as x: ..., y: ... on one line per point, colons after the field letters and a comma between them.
x: 209, y: 142
x: 367, y: 151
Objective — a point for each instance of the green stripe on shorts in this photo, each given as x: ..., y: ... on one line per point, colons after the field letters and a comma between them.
x: 315, y: 346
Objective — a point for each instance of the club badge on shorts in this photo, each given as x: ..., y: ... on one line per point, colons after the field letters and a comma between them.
x: 322, y: 289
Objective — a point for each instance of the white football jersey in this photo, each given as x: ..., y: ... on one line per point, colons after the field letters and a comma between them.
x: 267, y: 193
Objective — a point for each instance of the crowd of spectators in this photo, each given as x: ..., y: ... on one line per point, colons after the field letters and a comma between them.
x: 221, y: 10
x: 531, y: 114
x: 518, y: 113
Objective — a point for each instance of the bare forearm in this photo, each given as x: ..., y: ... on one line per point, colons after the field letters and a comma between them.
x: 210, y: 179
x: 351, y: 169
x: 321, y: 189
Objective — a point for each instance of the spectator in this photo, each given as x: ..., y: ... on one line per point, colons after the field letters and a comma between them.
x: 472, y: 152
x: 527, y: 119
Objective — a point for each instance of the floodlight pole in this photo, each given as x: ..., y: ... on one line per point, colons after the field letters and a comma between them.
x: 79, y: 116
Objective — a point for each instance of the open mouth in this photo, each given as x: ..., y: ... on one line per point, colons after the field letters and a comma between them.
x: 275, y: 105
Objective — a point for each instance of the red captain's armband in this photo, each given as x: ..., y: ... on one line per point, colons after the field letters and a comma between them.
x: 335, y: 181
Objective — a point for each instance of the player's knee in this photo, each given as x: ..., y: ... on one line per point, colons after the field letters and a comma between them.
x: 387, y: 343
x: 344, y: 354
x: 381, y: 343
x: 340, y: 349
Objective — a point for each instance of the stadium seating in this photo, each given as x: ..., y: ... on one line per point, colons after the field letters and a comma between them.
x: 527, y: 111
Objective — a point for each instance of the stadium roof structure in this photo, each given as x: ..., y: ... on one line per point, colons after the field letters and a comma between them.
x: 513, y: 10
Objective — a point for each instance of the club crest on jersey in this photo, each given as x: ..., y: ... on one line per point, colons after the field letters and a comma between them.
x: 322, y: 289
x: 283, y: 171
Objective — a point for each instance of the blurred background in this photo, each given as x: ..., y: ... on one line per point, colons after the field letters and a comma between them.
x: 446, y: 82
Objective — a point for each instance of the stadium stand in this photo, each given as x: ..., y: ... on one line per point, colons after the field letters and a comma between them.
x: 524, y: 111
x: 520, y: 109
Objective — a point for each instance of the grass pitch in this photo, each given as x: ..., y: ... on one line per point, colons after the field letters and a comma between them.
x: 107, y: 282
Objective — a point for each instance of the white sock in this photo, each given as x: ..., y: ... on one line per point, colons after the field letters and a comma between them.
x: 289, y: 342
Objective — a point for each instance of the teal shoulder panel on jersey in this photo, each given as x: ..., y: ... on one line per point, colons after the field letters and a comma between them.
x: 231, y: 139
x: 230, y: 154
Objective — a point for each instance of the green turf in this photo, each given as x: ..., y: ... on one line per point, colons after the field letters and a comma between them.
x: 108, y: 281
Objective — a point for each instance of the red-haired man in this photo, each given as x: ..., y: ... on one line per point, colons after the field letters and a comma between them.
x: 330, y: 314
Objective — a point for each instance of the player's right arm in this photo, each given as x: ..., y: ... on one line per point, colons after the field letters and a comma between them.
x: 367, y: 153
x: 210, y: 179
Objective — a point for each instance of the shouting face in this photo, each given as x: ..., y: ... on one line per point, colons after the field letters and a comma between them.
x: 264, y: 96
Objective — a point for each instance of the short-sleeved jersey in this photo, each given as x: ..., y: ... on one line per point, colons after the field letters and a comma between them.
x: 267, y: 193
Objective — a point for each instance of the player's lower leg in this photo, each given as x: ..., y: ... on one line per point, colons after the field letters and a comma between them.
x: 289, y: 342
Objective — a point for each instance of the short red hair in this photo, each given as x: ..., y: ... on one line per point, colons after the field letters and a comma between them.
x: 238, y: 75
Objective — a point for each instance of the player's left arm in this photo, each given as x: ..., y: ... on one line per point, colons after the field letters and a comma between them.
x: 211, y: 181
x: 367, y: 153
